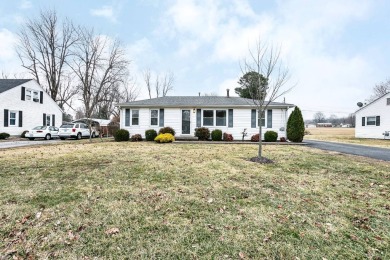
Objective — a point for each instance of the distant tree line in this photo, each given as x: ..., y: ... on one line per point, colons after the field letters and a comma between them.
x: 320, y: 117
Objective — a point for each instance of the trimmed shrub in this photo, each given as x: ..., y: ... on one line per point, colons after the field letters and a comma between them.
x: 295, y: 126
x: 150, y: 134
x: 283, y: 139
x: 203, y: 133
x: 216, y: 135
x: 255, y: 138
x: 227, y: 137
x: 136, y: 138
x: 121, y: 135
x: 165, y: 138
x: 23, y: 135
x: 270, y: 136
x: 4, y: 135
x: 167, y: 130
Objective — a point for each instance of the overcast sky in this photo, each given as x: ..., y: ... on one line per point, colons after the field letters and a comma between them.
x: 336, y: 50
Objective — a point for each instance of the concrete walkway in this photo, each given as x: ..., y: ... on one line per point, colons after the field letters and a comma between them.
x: 361, y: 150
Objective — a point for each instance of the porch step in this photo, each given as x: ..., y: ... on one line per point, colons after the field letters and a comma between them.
x: 186, y: 138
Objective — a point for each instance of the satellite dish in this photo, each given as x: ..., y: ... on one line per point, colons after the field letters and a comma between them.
x: 359, y: 104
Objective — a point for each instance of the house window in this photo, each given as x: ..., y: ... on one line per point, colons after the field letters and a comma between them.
x: 208, y: 117
x: 388, y: 101
x: 374, y: 120
x: 261, y: 120
x: 48, y: 117
x: 135, y: 117
x: 12, y: 118
x: 154, y: 117
x: 35, y: 96
x: 371, y: 120
x: 28, y: 94
x: 220, y: 117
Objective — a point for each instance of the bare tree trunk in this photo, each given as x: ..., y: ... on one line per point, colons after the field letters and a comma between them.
x: 265, y: 61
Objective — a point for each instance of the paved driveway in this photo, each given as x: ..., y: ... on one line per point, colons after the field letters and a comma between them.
x: 366, y: 151
x: 12, y: 144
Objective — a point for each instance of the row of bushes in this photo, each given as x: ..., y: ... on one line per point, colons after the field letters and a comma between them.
x: 203, y: 133
x: 165, y: 135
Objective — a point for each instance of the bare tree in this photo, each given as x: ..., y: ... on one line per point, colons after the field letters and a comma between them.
x: 265, y: 60
x: 147, y: 79
x: 99, y: 65
x: 319, y: 117
x: 380, y: 90
x: 44, y: 47
x: 162, y: 84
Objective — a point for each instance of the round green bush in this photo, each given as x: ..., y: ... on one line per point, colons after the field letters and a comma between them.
x: 167, y: 130
x: 216, y: 135
x: 4, y: 135
x: 295, y: 126
x: 203, y: 133
x: 121, y: 135
x: 150, y: 134
x: 270, y: 136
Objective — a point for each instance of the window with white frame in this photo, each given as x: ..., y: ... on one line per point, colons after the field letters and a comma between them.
x: 13, y: 118
x: 208, y: 117
x: 28, y: 94
x: 154, y: 117
x: 371, y: 120
x: 220, y: 117
x: 261, y: 120
x: 35, y: 96
x: 134, y: 117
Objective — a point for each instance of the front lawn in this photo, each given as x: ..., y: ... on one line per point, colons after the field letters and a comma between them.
x: 148, y: 200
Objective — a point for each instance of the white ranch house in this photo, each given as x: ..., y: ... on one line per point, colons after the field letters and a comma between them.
x: 185, y: 113
x: 373, y: 120
x: 24, y: 105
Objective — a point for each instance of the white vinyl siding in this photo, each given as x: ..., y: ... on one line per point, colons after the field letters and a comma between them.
x: 377, y: 119
x: 173, y: 118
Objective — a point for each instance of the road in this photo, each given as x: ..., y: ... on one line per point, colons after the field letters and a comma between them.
x: 366, y: 151
x: 12, y: 144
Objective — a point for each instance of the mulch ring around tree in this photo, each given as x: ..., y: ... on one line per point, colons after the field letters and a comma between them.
x: 262, y: 160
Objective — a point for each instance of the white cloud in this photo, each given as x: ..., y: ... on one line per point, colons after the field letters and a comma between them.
x: 9, y: 61
x: 309, y: 32
x: 25, y: 4
x: 105, y: 12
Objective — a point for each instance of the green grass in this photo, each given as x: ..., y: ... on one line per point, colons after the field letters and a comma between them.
x: 191, y: 201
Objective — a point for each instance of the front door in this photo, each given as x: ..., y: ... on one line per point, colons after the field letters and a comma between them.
x: 186, y: 122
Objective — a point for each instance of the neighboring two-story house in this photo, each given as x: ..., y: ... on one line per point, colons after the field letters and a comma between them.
x: 24, y: 105
x: 373, y: 120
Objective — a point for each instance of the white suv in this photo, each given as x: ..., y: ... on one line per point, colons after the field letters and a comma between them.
x: 74, y: 130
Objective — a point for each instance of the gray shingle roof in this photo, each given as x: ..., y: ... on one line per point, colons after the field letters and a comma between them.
x: 6, y: 84
x: 196, y: 101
